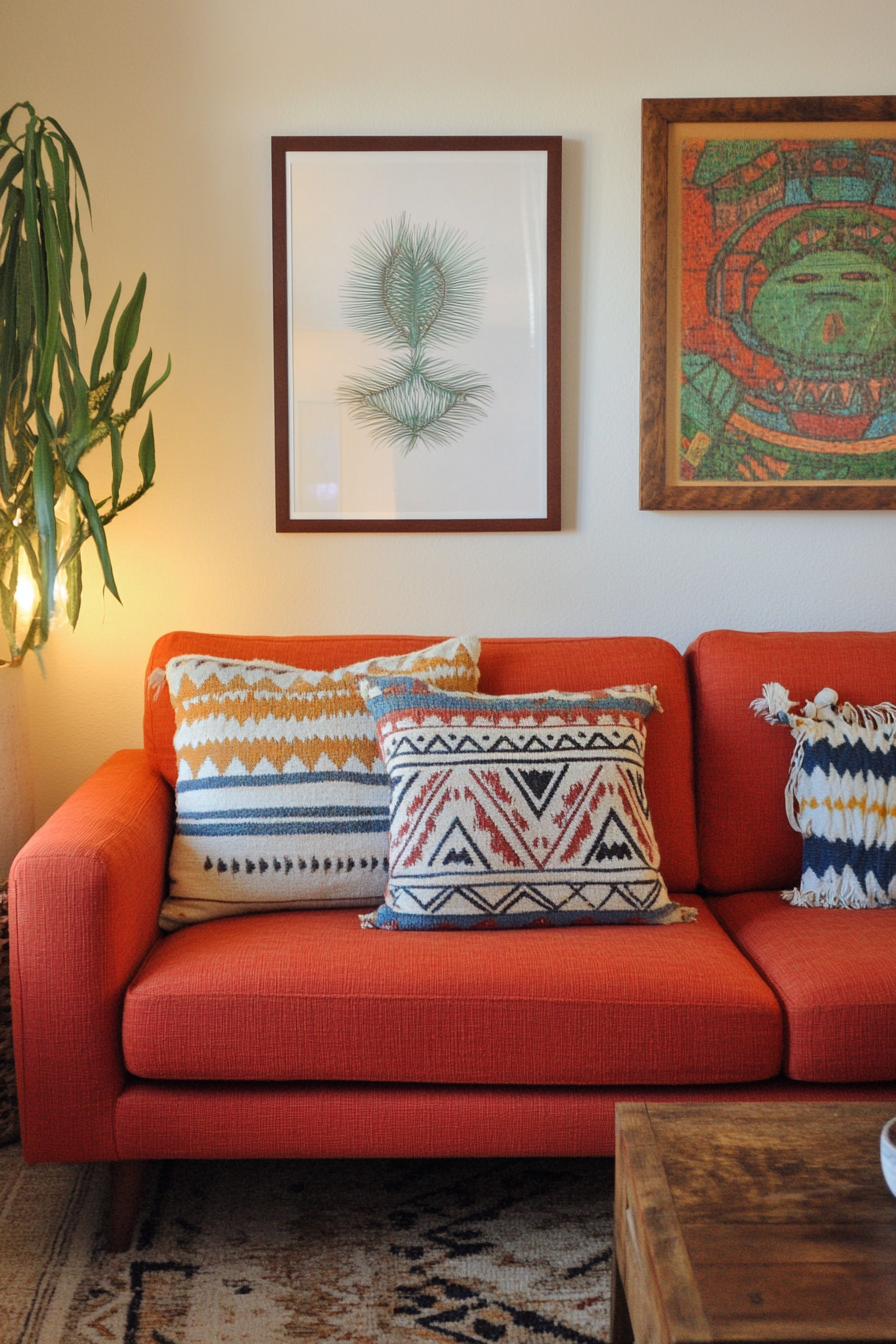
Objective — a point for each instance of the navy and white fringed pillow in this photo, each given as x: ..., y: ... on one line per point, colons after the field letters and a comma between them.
x: 841, y: 796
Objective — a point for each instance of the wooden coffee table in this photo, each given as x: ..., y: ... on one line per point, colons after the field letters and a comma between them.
x: 753, y: 1222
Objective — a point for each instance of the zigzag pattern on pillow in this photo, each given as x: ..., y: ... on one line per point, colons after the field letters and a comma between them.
x: 841, y: 796
x: 282, y: 798
x: 517, y: 811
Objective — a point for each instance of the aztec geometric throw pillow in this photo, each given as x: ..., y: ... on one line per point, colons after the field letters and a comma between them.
x: 841, y: 796
x: 282, y: 797
x: 517, y: 811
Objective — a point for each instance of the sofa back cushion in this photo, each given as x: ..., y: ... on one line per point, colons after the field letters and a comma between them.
x: 746, y: 843
x: 507, y: 666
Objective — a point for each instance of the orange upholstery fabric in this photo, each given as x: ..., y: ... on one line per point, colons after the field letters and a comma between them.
x: 84, y: 901
x: 314, y: 996
x: 249, y: 1120
x: 448, y: 1042
x: 742, y: 763
x: 834, y: 972
x: 507, y: 666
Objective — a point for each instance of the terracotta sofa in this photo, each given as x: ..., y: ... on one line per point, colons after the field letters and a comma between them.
x: 302, y: 1034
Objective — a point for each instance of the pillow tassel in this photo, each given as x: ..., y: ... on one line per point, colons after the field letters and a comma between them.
x: 872, y: 716
x: 774, y: 705
x: 773, y: 702
x: 156, y: 680
x: 834, y: 891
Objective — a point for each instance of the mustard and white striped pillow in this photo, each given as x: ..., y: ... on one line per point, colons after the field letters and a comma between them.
x: 282, y: 797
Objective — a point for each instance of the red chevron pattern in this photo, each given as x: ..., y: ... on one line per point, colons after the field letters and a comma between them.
x: 510, y: 810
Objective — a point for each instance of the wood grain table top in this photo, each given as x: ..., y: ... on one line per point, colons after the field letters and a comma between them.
x: 756, y: 1221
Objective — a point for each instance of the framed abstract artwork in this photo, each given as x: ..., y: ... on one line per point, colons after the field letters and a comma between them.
x: 417, y: 333
x: 768, y: 303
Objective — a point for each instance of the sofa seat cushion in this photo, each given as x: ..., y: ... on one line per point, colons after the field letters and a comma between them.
x: 312, y: 995
x: 834, y: 972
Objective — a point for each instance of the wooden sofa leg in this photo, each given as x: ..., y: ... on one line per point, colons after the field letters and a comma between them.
x: 124, y: 1202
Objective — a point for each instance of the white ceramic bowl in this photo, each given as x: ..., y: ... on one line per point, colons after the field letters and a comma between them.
x: 888, y: 1153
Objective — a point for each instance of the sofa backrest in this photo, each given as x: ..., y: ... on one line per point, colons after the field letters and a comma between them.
x: 507, y: 666
x: 742, y: 762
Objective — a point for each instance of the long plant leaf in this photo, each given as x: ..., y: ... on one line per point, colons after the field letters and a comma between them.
x: 60, y: 200
x: 117, y: 465
x: 26, y: 327
x: 11, y: 172
x: 5, y: 120
x: 128, y: 328
x: 65, y: 229
x: 146, y: 454
x: 66, y: 393
x: 73, y: 584
x: 158, y: 383
x: 76, y: 439
x: 11, y: 212
x: 8, y: 353
x: 32, y: 237
x: 94, y: 522
x: 71, y: 154
x: 48, y: 346
x: 85, y: 269
x: 139, y: 383
x: 99, y: 353
x: 44, y: 508
x: 51, y: 121
x: 8, y: 114
x: 26, y: 317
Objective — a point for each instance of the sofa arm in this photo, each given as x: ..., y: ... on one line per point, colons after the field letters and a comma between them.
x: 84, y: 904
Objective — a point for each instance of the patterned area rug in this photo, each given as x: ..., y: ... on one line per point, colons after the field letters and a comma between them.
x: 379, y: 1252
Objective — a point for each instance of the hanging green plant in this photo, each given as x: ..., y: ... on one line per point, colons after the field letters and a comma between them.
x: 51, y: 413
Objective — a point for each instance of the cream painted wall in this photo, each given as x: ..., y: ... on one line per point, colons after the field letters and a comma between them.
x: 172, y: 103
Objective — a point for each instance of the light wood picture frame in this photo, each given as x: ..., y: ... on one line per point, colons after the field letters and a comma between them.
x: 768, y: 303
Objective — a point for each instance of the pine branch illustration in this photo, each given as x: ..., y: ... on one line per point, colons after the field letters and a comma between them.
x: 415, y: 284
x: 421, y: 401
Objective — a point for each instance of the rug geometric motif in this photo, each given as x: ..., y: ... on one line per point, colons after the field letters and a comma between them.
x: 470, y: 1251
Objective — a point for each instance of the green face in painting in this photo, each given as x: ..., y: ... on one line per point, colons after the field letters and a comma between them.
x: 829, y: 310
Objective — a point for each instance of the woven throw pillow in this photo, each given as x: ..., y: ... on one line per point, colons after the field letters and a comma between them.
x: 514, y: 811
x: 282, y: 798
x: 841, y: 796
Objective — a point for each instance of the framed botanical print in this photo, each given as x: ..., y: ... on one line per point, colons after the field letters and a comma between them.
x: 768, y: 372
x: 417, y: 333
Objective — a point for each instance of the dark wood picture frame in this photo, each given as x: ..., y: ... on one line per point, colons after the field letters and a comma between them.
x: 662, y: 309
x: 281, y: 147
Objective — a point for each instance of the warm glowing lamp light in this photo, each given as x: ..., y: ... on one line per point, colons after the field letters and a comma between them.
x: 26, y: 596
x: 26, y: 599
